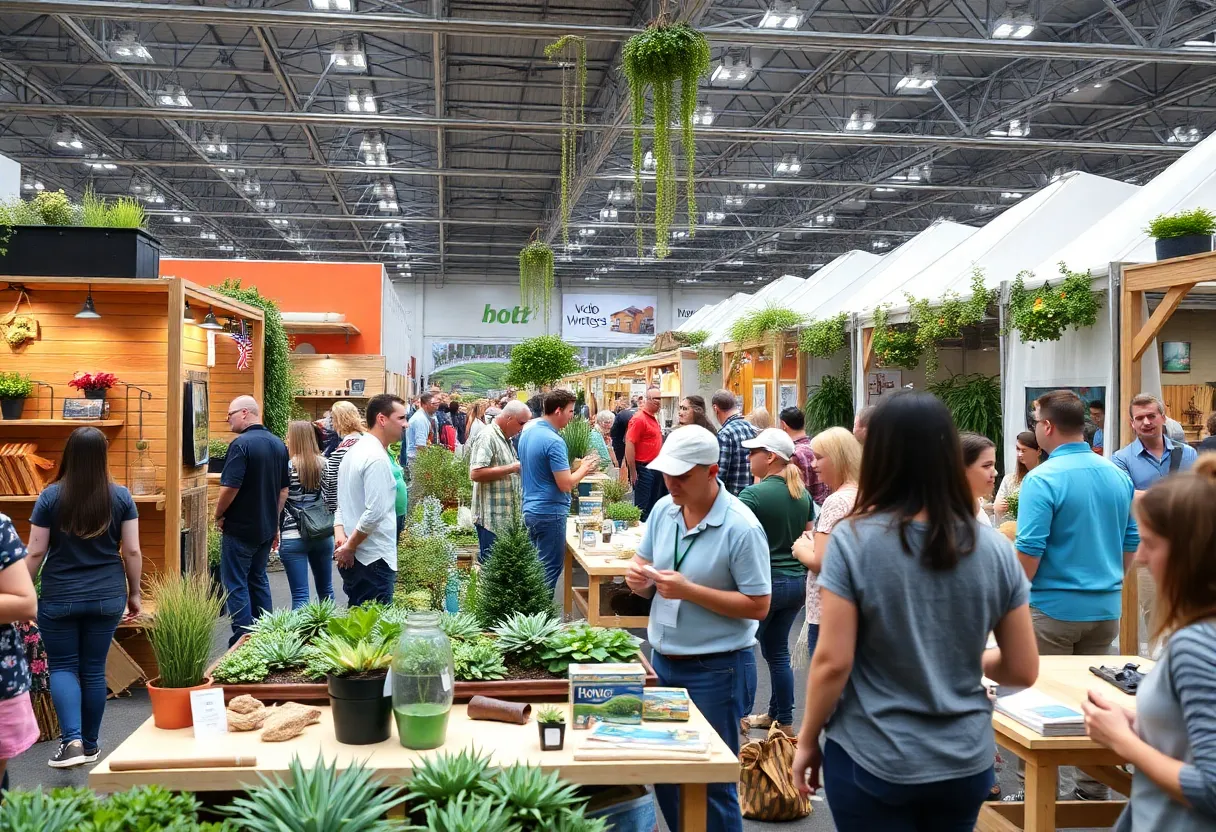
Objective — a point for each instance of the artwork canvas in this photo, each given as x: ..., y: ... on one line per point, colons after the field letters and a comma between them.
x: 196, y: 433
x: 1087, y: 394
x: 787, y: 396
x: 1175, y: 356
x: 883, y: 383
x: 759, y: 395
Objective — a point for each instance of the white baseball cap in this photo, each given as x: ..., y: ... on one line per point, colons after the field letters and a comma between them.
x: 773, y: 440
x: 684, y: 449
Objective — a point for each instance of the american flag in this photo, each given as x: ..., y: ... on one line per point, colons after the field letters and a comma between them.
x: 244, y: 347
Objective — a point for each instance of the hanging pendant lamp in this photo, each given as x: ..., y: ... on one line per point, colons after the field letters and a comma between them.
x: 209, y: 321
x: 88, y: 310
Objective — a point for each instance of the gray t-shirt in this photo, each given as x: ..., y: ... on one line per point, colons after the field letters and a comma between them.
x: 914, y: 709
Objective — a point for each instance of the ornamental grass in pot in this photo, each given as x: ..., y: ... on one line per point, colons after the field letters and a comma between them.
x: 1183, y: 233
x: 186, y: 609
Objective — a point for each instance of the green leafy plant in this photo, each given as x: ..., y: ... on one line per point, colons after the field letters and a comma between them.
x: 342, y: 658
x: 894, y: 345
x: 758, y: 323
x: 709, y: 365
x: 54, y: 207
x: 825, y: 338
x: 447, y: 776
x: 59, y: 810
x: 536, y: 284
x: 584, y: 643
x: 461, y: 626
x: 14, y: 385
x: 550, y: 715
x: 695, y: 338
x: 312, y: 618
x: 622, y: 511
x: 449, y: 516
x: 187, y: 608
x: 831, y: 403
x: 513, y: 580
x: 140, y: 809
x: 1044, y: 313
x: 215, y: 545
x: 278, y: 385
x: 532, y: 797
x: 424, y: 565
x: 478, y: 660
x: 570, y: 52
x: 217, y: 448
x: 462, y: 537
x: 974, y: 401
x: 578, y: 439
x: 541, y: 361
x: 613, y: 490
x: 318, y: 799
x: 946, y: 319
x: 656, y: 58
x: 415, y: 600
x: 282, y: 620
x: 469, y: 814
x: 1011, y: 505
x: 439, y: 473
x: 1196, y: 222
x: 243, y: 665
x: 524, y: 636
x: 278, y: 651
x: 93, y: 209
x: 359, y: 624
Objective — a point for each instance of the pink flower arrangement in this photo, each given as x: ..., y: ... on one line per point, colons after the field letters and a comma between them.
x: 38, y: 666
x: 93, y: 381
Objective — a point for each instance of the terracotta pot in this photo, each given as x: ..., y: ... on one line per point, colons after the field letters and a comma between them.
x: 171, y: 706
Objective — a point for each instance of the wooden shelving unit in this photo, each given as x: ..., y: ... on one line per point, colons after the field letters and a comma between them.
x: 69, y: 424
x: 157, y: 500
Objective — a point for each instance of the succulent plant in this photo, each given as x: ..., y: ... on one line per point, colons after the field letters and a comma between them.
x: 550, y: 715
x: 584, y: 643
x: 524, y: 636
x: 446, y: 776
x: 277, y: 649
x: 460, y: 627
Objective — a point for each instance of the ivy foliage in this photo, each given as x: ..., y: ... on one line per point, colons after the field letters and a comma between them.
x: 1044, y: 313
x: 690, y: 339
x: 278, y: 383
x: 760, y: 322
x: 709, y: 364
x: 825, y: 338
x: 895, y: 345
x: 536, y: 278
x: 945, y: 319
x: 541, y: 361
x: 570, y: 51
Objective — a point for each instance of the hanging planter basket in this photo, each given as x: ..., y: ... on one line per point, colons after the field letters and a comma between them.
x: 655, y: 59
x: 536, y: 278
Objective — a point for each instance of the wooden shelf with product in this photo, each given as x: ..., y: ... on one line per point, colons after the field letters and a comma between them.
x: 61, y: 424
x: 674, y: 372
x: 325, y: 378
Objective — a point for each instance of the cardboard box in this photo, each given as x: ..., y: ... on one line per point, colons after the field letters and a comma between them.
x: 122, y: 671
x: 606, y: 693
x: 665, y: 704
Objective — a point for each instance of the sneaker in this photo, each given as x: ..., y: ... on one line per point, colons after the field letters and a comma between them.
x: 759, y: 721
x: 1077, y: 794
x: 1017, y: 797
x: 73, y: 754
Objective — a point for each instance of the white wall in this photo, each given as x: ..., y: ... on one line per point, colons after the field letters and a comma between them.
x: 10, y: 179
x: 395, y: 329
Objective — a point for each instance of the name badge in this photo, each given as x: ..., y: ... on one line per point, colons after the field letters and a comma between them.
x: 665, y: 611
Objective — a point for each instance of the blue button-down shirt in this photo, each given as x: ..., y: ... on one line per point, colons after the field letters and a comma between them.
x: 1145, y: 469
x: 1075, y: 516
x: 727, y: 550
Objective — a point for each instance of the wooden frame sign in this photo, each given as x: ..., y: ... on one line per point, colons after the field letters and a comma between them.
x: 84, y: 409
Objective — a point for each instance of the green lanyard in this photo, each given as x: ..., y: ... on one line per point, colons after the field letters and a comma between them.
x: 677, y: 557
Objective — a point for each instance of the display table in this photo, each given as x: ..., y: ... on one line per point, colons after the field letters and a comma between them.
x: 506, y: 744
x: 1067, y: 678
x: 601, y: 564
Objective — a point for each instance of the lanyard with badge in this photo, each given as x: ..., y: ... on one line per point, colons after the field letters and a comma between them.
x: 665, y: 611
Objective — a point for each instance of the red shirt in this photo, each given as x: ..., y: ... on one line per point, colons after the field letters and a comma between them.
x: 646, y: 435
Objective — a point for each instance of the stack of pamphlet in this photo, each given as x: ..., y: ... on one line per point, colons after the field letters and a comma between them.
x: 1042, y: 714
x: 608, y: 741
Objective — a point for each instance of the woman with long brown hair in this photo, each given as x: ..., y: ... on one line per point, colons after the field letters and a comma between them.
x: 85, y: 528
x: 692, y: 412
x: 1029, y: 456
x: 1171, y: 737
x: 298, y: 553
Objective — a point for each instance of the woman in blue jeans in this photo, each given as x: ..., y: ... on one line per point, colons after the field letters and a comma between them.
x: 85, y: 529
x: 782, y: 504
x: 299, y: 554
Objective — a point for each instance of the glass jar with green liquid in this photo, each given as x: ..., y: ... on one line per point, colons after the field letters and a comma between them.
x: 422, y: 682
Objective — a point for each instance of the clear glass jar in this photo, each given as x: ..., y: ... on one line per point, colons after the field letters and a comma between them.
x: 143, y: 470
x: 422, y: 682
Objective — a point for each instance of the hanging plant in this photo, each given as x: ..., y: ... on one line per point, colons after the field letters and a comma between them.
x: 831, y: 403
x: 1044, y: 313
x: 760, y: 322
x: 709, y: 364
x: 946, y: 319
x: 974, y: 401
x: 657, y: 58
x: 823, y: 339
x: 894, y: 345
x: 571, y: 52
x: 541, y: 361
x: 536, y: 278
x: 690, y: 339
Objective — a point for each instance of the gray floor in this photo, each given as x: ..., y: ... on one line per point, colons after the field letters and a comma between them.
x: 125, y: 714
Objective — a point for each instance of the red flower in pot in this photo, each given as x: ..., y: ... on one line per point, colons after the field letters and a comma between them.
x: 93, y: 385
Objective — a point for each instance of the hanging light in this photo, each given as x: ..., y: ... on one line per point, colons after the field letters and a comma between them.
x: 209, y: 321
x: 88, y: 310
x: 187, y: 316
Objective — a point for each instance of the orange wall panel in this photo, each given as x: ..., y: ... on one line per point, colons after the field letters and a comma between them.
x: 352, y: 289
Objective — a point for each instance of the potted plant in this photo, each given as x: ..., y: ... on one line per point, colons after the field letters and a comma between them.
x: 578, y: 445
x: 626, y: 512
x: 551, y: 724
x: 51, y: 236
x: 217, y: 453
x: 187, y: 608
x: 1183, y: 233
x: 14, y: 390
x: 93, y: 385
x: 356, y: 654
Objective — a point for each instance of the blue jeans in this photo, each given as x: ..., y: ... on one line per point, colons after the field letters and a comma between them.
x: 485, y: 542
x: 548, y: 534
x: 812, y: 638
x: 243, y: 571
x: 298, y: 555
x: 789, y: 596
x: 647, y: 490
x: 77, y: 635
x: 860, y: 801
x: 721, y: 685
x: 364, y: 582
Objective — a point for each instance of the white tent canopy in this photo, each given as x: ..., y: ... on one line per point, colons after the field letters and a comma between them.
x: 771, y: 295
x: 693, y: 323
x: 1019, y: 237
x: 1119, y: 237
x: 836, y: 275
x: 719, y: 311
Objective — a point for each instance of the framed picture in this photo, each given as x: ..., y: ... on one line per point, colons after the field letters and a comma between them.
x: 196, y: 433
x: 1175, y: 356
x: 357, y: 386
x: 759, y: 395
x: 787, y: 396
x: 1087, y: 394
x: 84, y: 409
x: 883, y: 383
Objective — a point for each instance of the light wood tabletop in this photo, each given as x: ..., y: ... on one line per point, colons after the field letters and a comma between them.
x: 602, y: 563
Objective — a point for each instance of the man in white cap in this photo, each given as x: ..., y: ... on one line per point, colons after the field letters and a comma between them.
x: 704, y: 559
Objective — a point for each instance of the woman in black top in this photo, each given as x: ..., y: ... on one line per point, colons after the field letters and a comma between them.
x: 86, y: 529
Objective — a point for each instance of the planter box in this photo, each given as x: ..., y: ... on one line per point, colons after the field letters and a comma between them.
x: 1172, y: 247
x: 509, y: 689
x: 72, y: 251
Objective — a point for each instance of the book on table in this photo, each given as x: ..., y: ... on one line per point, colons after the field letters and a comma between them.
x: 1042, y: 714
x: 649, y: 737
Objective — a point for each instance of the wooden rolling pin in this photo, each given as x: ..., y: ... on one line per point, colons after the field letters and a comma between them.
x: 151, y: 764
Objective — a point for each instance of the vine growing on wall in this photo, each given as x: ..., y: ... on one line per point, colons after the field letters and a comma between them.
x: 1042, y: 314
x: 825, y: 338
x: 945, y: 319
x: 536, y: 278
x: 894, y: 345
x: 760, y: 322
x: 571, y: 52
x: 278, y: 384
x: 709, y: 364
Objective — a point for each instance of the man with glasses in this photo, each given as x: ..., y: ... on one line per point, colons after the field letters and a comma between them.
x: 643, y: 440
x: 494, y: 470
x: 253, y: 489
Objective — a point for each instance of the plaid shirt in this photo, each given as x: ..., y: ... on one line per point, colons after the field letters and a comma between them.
x: 495, y: 504
x: 733, y: 466
x: 803, y: 457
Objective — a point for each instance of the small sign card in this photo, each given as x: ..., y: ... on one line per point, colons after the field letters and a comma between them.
x: 207, y: 712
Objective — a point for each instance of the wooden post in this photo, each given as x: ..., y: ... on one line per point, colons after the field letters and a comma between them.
x: 174, y: 391
x: 867, y: 351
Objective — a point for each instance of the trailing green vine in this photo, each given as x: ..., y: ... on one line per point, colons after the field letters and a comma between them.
x: 278, y: 384
x: 760, y: 322
x: 1044, y: 313
x: 831, y: 403
x: 894, y: 345
x: 825, y: 338
x: 657, y: 58
x: 690, y: 339
x: 536, y: 278
x: 709, y: 364
x: 571, y: 52
x: 946, y: 319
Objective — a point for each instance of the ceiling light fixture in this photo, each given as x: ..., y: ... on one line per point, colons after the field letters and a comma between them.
x: 703, y: 116
x: 221, y: 247
x: 153, y: 198
x: 734, y: 200
x: 861, y: 121
x: 1013, y: 27
x: 648, y: 162
x: 100, y: 163
x: 172, y: 95
x: 880, y: 244
x: 213, y: 144
x: 333, y: 5
x: 767, y: 249
x: 1204, y: 42
x: 732, y: 69
x: 679, y: 235
x: 181, y: 219
x: 782, y: 14
x: 919, y: 80
x: 619, y: 196
x: 609, y: 214
x: 1016, y: 129
x: 360, y: 101
x: 251, y: 186
x: 755, y: 186
x: 822, y: 220
x: 279, y: 222
x: 790, y: 165
x: 397, y: 239
x: 586, y: 232
x: 1184, y: 135
x: 374, y: 149
x: 884, y: 190
x: 88, y: 310
x: 29, y: 183
x: 348, y: 56
x: 265, y: 203
x: 232, y: 171
x: 65, y: 140
x: 388, y: 204
x: 714, y: 217
x: 1011, y: 195
x: 126, y: 49
x: 207, y: 235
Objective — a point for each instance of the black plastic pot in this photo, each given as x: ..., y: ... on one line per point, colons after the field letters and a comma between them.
x: 1172, y: 247
x: 12, y: 408
x: 362, y: 713
x: 71, y: 251
x: 548, y: 740
x: 95, y: 393
x: 215, y: 464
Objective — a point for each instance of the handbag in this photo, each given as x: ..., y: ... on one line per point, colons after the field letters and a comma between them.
x: 314, y: 522
x: 767, y: 790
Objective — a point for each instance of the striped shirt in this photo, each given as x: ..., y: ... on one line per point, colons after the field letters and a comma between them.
x: 329, y: 479
x: 297, y: 500
x: 733, y: 467
x: 496, y: 504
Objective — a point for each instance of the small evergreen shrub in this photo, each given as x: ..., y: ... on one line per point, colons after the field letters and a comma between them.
x: 513, y: 580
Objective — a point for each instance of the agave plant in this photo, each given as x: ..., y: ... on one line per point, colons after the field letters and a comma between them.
x: 342, y: 658
x: 275, y: 621
x: 524, y: 636
x: 446, y: 776
x: 277, y: 649
x: 313, y: 616
x: 532, y: 796
x: 469, y: 814
x: 461, y: 626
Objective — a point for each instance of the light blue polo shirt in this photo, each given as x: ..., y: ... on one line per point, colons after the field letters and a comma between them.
x: 1145, y: 469
x: 1075, y: 516
x: 542, y: 452
x: 729, y: 552
x: 416, y: 433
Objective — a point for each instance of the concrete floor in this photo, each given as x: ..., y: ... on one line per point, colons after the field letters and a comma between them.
x: 125, y: 714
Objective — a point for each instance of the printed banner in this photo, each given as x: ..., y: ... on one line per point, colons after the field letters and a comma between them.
x: 621, y: 318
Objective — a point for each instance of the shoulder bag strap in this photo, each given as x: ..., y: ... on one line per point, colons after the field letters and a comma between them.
x: 1175, y: 458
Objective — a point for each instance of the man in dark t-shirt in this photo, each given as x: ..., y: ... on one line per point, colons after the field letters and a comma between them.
x: 621, y: 424
x: 253, y: 489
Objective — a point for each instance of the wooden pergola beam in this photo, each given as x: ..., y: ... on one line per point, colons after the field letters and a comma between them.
x: 867, y: 349
x: 1152, y: 328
